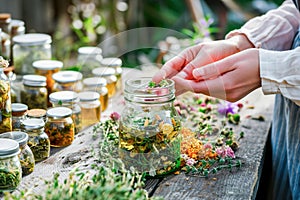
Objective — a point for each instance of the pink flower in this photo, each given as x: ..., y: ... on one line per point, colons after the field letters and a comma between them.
x: 208, y: 146
x: 229, y: 152
x: 190, y: 162
x: 225, y: 152
x: 115, y: 116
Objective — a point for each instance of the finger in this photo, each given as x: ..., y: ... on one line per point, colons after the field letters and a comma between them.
x: 215, y: 69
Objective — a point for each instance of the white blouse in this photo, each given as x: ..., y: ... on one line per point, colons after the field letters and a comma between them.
x: 273, y: 33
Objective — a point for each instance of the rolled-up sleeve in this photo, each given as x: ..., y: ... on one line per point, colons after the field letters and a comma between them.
x: 274, y: 30
x: 280, y: 73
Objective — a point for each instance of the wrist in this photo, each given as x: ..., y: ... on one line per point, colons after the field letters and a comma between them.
x: 241, y: 41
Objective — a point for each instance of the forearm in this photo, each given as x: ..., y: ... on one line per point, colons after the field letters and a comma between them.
x: 274, y: 30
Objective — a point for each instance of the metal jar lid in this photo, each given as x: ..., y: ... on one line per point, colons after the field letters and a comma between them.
x: 59, y: 112
x: 67, y: 76
x: 19, y: 107
x: 88, y: 96
x: 63, y: 97
x: 32, y: 39
x: 18, y: 136
x: 32, y: 124
x: 47, y: 64
x: 95, y: 81
x: 89, y: 50
x: 111, y: 62
x: 103, y: 71
x: 34, y: 80
x: 8, y: 148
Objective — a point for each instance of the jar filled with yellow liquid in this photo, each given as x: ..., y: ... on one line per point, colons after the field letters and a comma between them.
x: 110, y: 75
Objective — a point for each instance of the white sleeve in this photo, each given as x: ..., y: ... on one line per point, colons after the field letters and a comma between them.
x: 280, y: 73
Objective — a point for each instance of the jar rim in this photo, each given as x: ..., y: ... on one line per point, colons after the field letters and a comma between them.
x: 67, y: 76
x: 88, y: 96
x: 31, y: 124
x: 36, y: 112
x: 103, y: 71
x: 111, y: 62
x: 95, y: 81
x: 8, y: 147
x: 138, y: 90
x: 86, y: 50
x: 34, y: 80
x: 18, y: 107
x: 31, y: 39
x: 47, y: 64
x: 19, y: 136
x: 64, y: 97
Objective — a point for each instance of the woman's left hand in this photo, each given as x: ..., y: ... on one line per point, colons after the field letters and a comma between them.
x: 230, y: 78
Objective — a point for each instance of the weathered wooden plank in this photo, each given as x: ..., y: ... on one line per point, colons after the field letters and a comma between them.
x: 241, y: 183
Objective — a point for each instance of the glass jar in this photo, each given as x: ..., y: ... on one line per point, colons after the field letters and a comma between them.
x: 37, y: 114
x: 89, y: 58
x: 17, y: 27
x: 47, y: 68
x: 26, y: 156
x: 5, y: 101
x: 70, y: 100
x: 97, y: 84
x: 10, y: 167
x: 5, y: 20
x: 34, y: 93
x: 115, y: 63
x: 28, y: 48
x: 60, y: 126
x: 18, y: 114
x: 109, y: 75
x: 149, y: 131
x: 90, y: 108
x: 67, y: 81
x: 38, y: 140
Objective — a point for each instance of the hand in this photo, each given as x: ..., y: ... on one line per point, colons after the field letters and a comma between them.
x: 196, y: 56
x: 230, y: 78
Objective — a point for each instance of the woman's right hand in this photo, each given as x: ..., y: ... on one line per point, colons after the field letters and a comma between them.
x: 182, y: 65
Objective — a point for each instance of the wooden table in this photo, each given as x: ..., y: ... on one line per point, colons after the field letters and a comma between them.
x: 239, y: 184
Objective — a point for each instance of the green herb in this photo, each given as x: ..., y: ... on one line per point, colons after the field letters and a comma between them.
x: 40, y: 146
x: 10, y: 175
x: 162, y: 83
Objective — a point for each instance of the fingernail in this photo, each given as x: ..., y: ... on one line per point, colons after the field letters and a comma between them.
x: 204, y: 72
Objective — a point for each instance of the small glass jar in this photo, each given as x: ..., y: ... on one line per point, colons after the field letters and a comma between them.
x: 89, y: 58
x: 34, y: 93
x: 70, y: 100
x: 60, y: 126
x: 38, y: 140
x: 97, y: 84
x: 17, y: 27
x: 109, y: 75
x: 115, y: 63
x: 26, y: 156
x: 5, y: 20
x: 47, y: 68
x: 67, y: 81
x: 5, y: 102
x: 149, y: 131
x: 10, y: 166
x: 37, y: 114
x: 90, y: 108
x: 28, y: 48
x: 18, y: 114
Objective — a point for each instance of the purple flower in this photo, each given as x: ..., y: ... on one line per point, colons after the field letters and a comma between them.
x: 225, y: 152
x: 227, y: 107
x: 229, y: 152
x: 190, y: 162
x: 208, y: 146
x: 115, y: 116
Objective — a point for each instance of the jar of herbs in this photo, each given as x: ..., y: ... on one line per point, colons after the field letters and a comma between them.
x: 10, y: 167
x: 60, y: 126
x: 89, y: 57
x: 110, y: 75
x: 47, y: 68
x: 90, y: 108
x: 70, y: 100
x: 28, y: 48
x: 115, y: 63
x: 97, y: 84
x: 38, y: 140
x: 18, y: 114
x: 149, y: 131
x: 5, y: 99
x: 26, y: 156
x: 67, y: 81
x: 34, y: 93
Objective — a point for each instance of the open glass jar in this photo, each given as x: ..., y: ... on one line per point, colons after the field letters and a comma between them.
x: 149, y: 131
x: 34, y: 93
x: 29, y: 48
x: 10, y: 167
x: 67, y: 81
x: 60, y: 126
x: 97, y: 84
